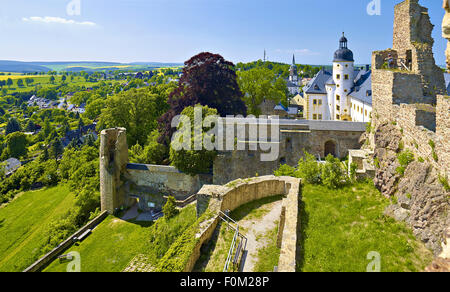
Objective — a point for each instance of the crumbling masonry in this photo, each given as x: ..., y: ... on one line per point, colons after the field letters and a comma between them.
x: 412, y: 112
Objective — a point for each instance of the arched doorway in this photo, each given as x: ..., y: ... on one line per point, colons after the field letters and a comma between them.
x: 330, y: 148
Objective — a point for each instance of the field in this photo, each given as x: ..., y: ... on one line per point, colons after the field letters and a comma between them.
x: 115, y: 242
x: 23, y: 223
x: 44, y: 80
x: 341, y: 227
x: 20, y: 76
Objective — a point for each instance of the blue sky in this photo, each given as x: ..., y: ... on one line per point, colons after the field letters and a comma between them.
x: 174, y: 30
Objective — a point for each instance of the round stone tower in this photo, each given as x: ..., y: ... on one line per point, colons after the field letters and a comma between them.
x: 343, y: 76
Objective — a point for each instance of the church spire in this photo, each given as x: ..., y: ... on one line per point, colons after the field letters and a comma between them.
x: 293, y: 59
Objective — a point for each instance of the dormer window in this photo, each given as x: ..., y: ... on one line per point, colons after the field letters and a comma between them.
x: 338, y: 76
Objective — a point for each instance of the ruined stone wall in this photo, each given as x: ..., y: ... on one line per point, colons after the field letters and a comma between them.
x: 409, y: 113
x: 443, y: 131
x: 165, y: 179
x: 412, y: 32
x: 231, y: 165
x: 237, y: 193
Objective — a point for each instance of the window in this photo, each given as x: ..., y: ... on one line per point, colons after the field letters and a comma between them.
x: 366, y: 113
x: 320, y: 117
x: 345, y: 110
x: 338, y: 76
x: 315, y: 102
x: 338, y: 86
x: 345, y: 90
x: 320, y: 102
x: 338, y: 108
x: 346, y: 77
x: 314, y: 116
x: 346, y: 65
x: 338, y: 97
x: 338, y: 117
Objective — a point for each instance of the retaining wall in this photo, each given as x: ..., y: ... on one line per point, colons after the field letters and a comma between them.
x: 52, y: 255
x: 213, y: 198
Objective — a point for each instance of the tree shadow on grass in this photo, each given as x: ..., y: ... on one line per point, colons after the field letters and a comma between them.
x: 1, y: 222
x: 301, y: 235
x: 245, y: 209
x: 143, y: 224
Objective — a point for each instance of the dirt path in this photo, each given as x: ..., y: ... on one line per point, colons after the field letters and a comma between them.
x: 255, y: 229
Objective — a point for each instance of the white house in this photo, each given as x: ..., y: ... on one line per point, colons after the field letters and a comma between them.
x: 344, y: 94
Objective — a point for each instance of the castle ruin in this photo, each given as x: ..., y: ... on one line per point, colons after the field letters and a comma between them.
x: 412, y: 113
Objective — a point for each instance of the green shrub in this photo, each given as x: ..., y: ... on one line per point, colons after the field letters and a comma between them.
x: 333, y: 175
x: 285, y: 170
x: 170, y: 208
x: 309, y: 169
x: 421, y: 160
x: 353, y: 168
x: 404, y: 158
x: 376, y: 161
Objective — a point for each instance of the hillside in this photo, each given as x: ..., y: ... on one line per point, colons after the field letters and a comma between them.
x: 23, y: 223
x: 30, y: 67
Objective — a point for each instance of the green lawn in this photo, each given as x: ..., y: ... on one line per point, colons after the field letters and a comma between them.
x: 269, y: 255
x: 340, y: 227
x: 109, y: 248
x: 44, y: 81
x: 114, y: 243
x: 23, y: 223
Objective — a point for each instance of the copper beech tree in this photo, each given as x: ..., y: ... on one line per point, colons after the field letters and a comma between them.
x: 208, y: 79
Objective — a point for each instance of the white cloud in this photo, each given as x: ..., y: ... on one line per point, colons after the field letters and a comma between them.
x: 306, y: 52
x: 58, y: 20
x: 299, y: 52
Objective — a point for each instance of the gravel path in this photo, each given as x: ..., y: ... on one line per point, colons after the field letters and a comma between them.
x: 255, y: 228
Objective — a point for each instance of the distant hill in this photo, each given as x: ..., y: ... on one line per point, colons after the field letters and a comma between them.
x: 30, y: 67
x: 21, y: 67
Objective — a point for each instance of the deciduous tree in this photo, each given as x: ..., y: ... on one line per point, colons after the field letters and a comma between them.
x: 208, y: 79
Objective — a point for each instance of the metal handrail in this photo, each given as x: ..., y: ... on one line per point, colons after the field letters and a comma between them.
x: 230, y: 252
x: 237, y: 234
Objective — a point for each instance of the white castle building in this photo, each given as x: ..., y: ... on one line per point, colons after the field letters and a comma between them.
x: 345, y: 94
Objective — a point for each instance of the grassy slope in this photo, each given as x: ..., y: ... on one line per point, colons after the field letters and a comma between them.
x: 114, y: 243
x: 340, y: 228
x: 109, y: 248
x: 23, y: 222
